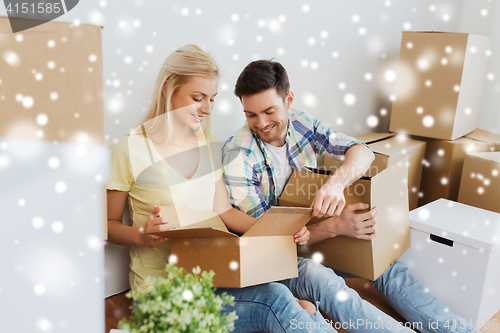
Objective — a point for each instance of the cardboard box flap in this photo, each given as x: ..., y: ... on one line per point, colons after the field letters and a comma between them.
x: 192, y: 224
x: 395, y: 145
x: 491, y: 156
x: 280, y: 221
x: 391, y: 182
x: 433, y: 32
x: 183, y: 217
x: 190, y: 232
x: 457, y: 222
x: 484, y: 136
x: 373, y: 137
x: 328, y: 172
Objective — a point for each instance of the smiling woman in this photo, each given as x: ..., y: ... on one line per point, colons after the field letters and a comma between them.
x: 187, y: 66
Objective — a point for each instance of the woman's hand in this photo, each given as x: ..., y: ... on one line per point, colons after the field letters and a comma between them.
x: 302, y: 236
x: 155, y: 223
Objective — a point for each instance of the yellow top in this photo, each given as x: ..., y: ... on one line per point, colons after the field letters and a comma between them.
x: 138, y: 168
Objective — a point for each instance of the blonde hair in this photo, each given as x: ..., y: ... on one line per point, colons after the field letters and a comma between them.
x: 179, y: 67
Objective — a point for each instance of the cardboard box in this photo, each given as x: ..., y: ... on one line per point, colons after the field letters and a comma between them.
x: 455, y: 253
x: 480, y: 184
x: 439, y: 84
x: 54, y: 165
x: 444, y: 162
x: 387, y: 190
x: 492, y: 139
x: 56, y: 92
x: 266, y: 252
x: 388, y: 149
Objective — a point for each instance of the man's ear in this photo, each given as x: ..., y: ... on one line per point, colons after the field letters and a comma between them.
x: 289, y: 100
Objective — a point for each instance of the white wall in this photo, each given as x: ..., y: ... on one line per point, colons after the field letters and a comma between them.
x: 230, y: 31
x: 474, y: 21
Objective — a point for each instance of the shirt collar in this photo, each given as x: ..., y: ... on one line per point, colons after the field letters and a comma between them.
x: 261, y: 143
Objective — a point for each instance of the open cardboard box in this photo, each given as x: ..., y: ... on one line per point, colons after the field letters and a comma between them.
x: 387, y: 190
x: 266, y: 252
x: 388, y: 149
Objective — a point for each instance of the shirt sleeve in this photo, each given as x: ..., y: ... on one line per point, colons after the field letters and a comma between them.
x: 120, y: 178
x: 242, y: 182
x: 328, y: 142
x: 215, y: 156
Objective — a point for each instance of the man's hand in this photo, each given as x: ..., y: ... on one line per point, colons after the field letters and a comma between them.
x: 360, y: 226
x: 329, y: 201
x: 302, y: 236
x: 155, y: 224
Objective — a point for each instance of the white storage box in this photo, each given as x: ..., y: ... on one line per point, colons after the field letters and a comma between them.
x: 455, y: 253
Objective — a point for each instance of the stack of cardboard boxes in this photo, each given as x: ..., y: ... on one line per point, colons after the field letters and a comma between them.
x: 454, y: 246
x: 438, y: 97
x: 434, y: 117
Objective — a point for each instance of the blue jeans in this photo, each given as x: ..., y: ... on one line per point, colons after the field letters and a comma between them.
x: 272, y: 308
x: 409, y: 298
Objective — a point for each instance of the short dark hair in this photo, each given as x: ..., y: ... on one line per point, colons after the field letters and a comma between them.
x: 261, y: 75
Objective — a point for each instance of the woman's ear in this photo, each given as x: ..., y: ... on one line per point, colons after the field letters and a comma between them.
x: 289, y: 100
x: 164, y: 88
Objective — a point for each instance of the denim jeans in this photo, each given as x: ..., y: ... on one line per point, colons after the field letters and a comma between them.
x: 272, y: 308
x: 317, y: 283
x: 410, y: 299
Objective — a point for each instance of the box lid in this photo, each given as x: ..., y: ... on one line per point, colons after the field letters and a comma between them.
x: 493, y: 156
x: 394, y: 145
x: 280, y: 221
x: 434, y: 32
x: 484, y: 136
x: 277, y: 221
x: 373, y: 137
x: 193, y: 224
x: 471, y: 226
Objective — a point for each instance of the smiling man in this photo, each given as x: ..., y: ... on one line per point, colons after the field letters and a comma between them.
x: 258, y: 161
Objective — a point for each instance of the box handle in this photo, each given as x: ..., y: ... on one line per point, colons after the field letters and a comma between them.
x: 441, y: 240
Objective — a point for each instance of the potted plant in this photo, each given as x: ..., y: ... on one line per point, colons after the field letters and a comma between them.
x: 178, y: 303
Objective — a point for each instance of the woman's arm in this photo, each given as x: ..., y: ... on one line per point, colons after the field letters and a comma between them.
x: 234, y: 219
x: 121, y: 234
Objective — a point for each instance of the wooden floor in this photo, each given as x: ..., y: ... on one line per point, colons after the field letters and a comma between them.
x: 118, y: 306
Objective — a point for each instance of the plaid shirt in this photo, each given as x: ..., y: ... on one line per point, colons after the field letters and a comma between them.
x: 249, y: 174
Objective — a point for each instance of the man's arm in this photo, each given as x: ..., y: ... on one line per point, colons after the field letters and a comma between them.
x: 348, y: 223
x: 242, y: 183
x: 245, y: 193
x: 329, y: 201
